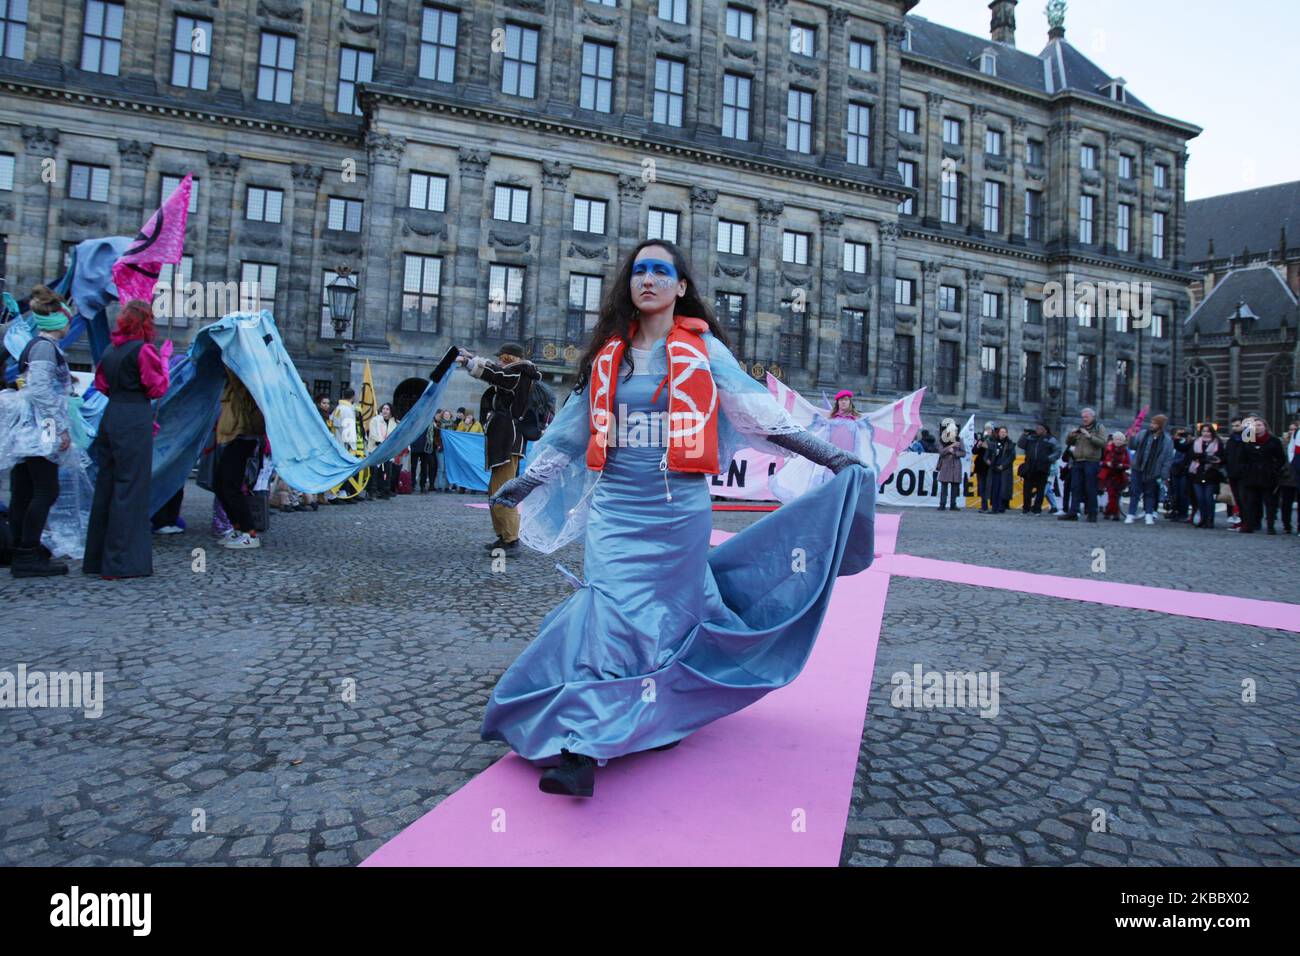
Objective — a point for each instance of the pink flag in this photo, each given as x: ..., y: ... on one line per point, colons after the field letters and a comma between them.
x: 1137, y: 422
x: 160, y: 241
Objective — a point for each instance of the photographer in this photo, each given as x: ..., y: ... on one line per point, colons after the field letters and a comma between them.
x: 1087, y: 441
x: 1180, y: 495
x: 511, y: 379
x: 1041, y: 451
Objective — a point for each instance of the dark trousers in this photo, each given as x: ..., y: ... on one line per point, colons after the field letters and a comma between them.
x: 118, y: 539
x: 948, y: 494
x: 1286, y: 497
x: 34, y: 483
x: 423, y: 469
x: 999, y: 486
x: 1144, y: 489
x: 1067, y: 484
x: 230, y: 482
x: 1206, y: 492
x: 1181, y: 495
x: 1256, y: 500
x: 170, y: 513
x: 982, y: 485
x: 1083, y: 487
x: 1035, y: 488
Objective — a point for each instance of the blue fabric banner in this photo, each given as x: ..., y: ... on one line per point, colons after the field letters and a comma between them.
x: 462, y: 456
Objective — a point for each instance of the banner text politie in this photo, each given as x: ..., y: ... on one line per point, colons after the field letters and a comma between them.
x: 915, y: 480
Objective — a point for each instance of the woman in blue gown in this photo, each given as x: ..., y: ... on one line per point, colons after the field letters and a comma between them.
x: 663, y: 636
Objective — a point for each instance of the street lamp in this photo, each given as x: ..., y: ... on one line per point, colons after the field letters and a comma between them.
x: 1055, y: 383
x: 342, y: 301
x: 1291, y: 402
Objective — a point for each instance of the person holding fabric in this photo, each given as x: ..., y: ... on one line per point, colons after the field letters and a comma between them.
x: 510, y: 382
x: 132, y: 374
x: 35, y: 435
x: 665, y: 636
x: 840, y: 425
x: 1153, y: 458
x: 241, y: 433
x: 422, y: 458
x: 381, y: 426
x: 468, y: 424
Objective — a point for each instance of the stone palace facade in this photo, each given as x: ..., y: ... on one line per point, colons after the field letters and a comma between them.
x: 872, y: 200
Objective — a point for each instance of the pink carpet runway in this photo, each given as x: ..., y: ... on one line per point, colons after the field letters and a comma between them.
x: 768, y: 786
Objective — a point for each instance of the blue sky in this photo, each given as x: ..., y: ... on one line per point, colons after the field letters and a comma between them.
x: 1231, y: 68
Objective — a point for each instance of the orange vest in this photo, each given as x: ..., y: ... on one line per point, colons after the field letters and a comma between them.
x: 692, y: 398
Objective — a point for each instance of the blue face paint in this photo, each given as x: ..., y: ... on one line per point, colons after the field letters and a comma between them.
x: 659, y: 268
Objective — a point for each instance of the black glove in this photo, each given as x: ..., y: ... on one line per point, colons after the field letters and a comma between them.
x: 817, y: 450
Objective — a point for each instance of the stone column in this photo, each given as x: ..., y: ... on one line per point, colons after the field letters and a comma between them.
x: 37, y: 257
x: 1015, y: 204
x: 631, y: 191
x: 707, y: 108
x: 302, y: 256
x: 927, y: 203
x: 973, y: 201
x: 223, y: 170
x: 891, y: 70
x: 834, y: 113
x: 1015, y: 318
x: 701, y: 223
x: 970, y: 388
x: 1176, y: 233
x: 477, y: 75
x: 132, y: 166
x: 470, y: 213
x: 375, y: 306
x: 769, y: 267
x: 827, y: 344
x: 634, y: 100
x: 927, y: 350
x: 1107, y: 212
x: 1145, y: 204
x: 561, y: 93
x: 881, y: 359
x: 776, y: 90
x: 549, y: 311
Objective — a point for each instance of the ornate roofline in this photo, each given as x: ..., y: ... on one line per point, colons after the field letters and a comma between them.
x: 925, y: 64
x: 134, y: 105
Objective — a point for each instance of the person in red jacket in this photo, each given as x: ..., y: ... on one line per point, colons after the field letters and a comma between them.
x: 1113, y: 474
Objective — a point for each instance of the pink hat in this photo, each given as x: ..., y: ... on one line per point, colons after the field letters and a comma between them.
x: 843, y: 393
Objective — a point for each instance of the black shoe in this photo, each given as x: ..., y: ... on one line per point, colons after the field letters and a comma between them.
x: 498, y: 543
x: 575, y: 777
x: 33, y: 563
x: 1067, y: 517
x: 1272, y: 530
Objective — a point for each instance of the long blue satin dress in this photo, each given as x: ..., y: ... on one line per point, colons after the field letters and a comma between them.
x: 665, y: 636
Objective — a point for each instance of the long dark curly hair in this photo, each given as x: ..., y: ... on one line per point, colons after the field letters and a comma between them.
x: 617, y: 310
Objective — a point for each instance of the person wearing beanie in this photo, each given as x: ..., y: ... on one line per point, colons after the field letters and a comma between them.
x: 510, y: 382
x: 1153, y: 457
x: 35, y: 434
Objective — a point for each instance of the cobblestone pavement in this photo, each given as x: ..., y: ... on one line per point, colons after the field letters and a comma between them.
x: 226, y: 697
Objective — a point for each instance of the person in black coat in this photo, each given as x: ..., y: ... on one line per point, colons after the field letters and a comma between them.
x: 1041, y: 450
x: 1001, y: 456
x: 1259, y: 463
x: 1232, y: 463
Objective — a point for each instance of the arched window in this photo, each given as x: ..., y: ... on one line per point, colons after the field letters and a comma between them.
x: 1277, y: 382
x: 1200, y: 394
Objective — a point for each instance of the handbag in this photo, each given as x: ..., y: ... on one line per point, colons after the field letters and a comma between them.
x: 206, y: 478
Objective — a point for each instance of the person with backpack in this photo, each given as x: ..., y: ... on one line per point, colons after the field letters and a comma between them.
x: 503, y: 409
